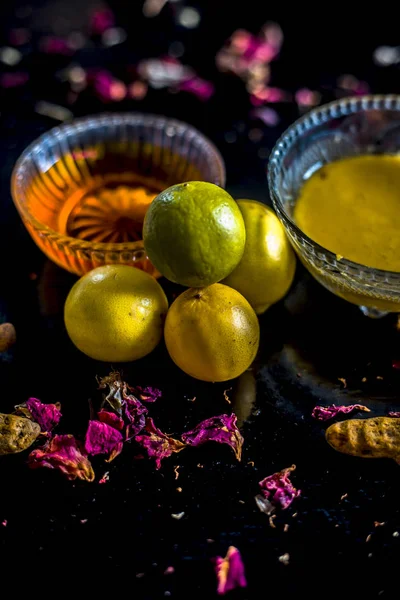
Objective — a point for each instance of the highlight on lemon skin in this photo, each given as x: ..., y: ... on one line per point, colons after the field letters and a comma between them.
x: 267, y: 268
x: 115, y: 313
x: 194, y: 233
x: 212, y: 333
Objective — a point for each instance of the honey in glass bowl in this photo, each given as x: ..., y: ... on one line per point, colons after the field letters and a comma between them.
x: 83, y: 189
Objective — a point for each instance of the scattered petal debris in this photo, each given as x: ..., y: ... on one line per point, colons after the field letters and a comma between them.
x: 396, y: 364
x: 169, y: 571
x: 343, y: 497
x: 178, y: 516
x: 53, y: 111
x: 197, y: 86
x: 105, y: 478
x: 271, y: 521
x: 176, y: 471
x: 47, y: 416
x: 324, y: 413
x: 395, y: 534
x: 264, y: 505
x: 394, y: 414
x: 368, y: 538
x: 222, y: 429
x: 4, y: 523
x: 229, y: 571
x: 149, y: 394
x: 64, y: 453
x: 379, y: 523
x: 158, y: 444
x: 343, y: 381
x: 13, y: 80
x: 102, y: 438
x: 284, y: 559
x: 226, y: 395
x: 101, y: 20
x: 286, y: 527
x: 278, y: 488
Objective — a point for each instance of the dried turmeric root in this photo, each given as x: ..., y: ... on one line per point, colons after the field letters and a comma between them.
x: 369, y: 438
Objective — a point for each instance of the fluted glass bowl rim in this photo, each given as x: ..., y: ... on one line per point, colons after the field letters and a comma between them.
x: 318, y: 116
x: 91, y: 122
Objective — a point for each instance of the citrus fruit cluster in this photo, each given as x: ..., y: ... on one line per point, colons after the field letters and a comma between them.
x: 233, y: 256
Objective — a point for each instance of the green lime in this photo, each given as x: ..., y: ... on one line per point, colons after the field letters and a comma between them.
x: 194, y: 233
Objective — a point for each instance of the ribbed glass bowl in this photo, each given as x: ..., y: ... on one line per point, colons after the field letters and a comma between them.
x: 56, y: 183
x: 344, y: 128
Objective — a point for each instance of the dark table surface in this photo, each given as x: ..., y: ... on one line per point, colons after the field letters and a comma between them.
x: 120, y: 537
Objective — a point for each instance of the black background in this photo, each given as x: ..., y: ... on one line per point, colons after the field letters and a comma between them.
x: 120, y: 537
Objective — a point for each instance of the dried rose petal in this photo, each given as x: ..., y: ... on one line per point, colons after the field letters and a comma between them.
x: 12, y: 80
x: 158, y: 444
x: 135, y: 414
x: 102, y: 438
x: 324, y: 413
x: 149, y: 394
x: 198, y: 87
x: 220, y: 429
x: 128, y: 407
x: 230, y: 571
x: 394, y: 414
x: 62, y: 452
x: 396, y: 364
x: 111, y: 419
x: 107, y: 87
x: 55, y: 45
x: 278, y: 488
x: 46, y: 415
x: 101, y: 20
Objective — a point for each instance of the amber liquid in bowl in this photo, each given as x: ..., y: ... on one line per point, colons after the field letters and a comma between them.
x: 97, y: 198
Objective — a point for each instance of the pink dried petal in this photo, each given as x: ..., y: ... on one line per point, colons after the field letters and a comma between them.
x: 198, y: 87
x: 278, y: 488
x: 158, y: 444
x: 19, y: 36
x: 273, y: 34
x: 102, y: 438
x: 306, y: 97
x: 135, y: 416
x: 267, y: 115
x: 111, y: 419
x: 241, y: 40
x: 222, y: 429
x: 149, y: 394
x: 46, y: 415
x: 55, y: 45
x: 101, y: 20
x: 353, y: 85
x: 63, y: 452
x: 394, y: 414
x: 396, y: 364
x: 230, y: 571
x: 12, y: 80
x: 324, y: 413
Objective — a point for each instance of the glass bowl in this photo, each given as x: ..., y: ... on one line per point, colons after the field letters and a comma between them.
x: 344, y: 128
x: 82, y: 188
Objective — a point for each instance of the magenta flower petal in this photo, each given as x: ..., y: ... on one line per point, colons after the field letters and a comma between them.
x: 46, y: 415
x: 63, y: 452
x: 230, y: 571
x: 12, y: 80
x: 55, y: 45
x: 394, y: 414
x: 102, y: 438
x: 158, y: 444
x: 324, y: 413
x: 101, y: 20
x: 111, y: 419
x: 278, y: 488
x: 221, y: 429
x: 198, y: 87
x: 149, y: 394
x: 135, y: 416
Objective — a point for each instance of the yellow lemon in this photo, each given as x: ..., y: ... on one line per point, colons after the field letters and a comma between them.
x: 266, y: 271
x: 115, y: 313
x: 194, y: 233
x: 212, y: 333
